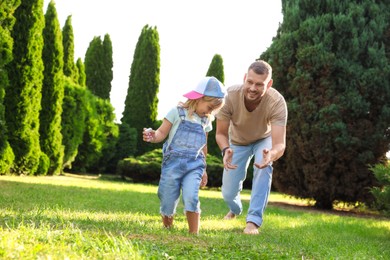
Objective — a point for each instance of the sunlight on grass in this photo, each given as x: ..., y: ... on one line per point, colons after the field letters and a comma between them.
x: 86, y: 217
x: 87, y: 181
x: 69, y: 243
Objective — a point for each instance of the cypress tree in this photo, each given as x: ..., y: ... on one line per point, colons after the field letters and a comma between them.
x: 70, y: 69
x: 98, y: 66
x: 141, y: 101
x: 52, y: 91
x: 215, y: 69
x: 81, y: 69
x: 108, y: 65
x: 93, y: 66
x: 7, y: 21
x: 329, y: 60
x: 23, y: 97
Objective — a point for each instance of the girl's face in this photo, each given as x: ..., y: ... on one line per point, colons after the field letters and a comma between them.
x: 204, y: 108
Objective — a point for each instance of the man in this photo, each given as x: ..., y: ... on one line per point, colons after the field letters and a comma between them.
x: 251, y: 123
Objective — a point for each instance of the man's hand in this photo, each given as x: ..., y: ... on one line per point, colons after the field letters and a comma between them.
x: 227, y: 159
x: 266, y: 159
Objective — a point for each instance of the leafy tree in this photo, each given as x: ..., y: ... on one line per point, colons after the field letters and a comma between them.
x: 99, y: 136
x: 329, y: 60
x: 127, y: 144
x: 52, y: 91
x: 110, y: 137
x: 141, y: 100
x: 7, y: 21
x: 216, y: 70
x: 74, y: 111
x: 98, y: 67
x: 23, y: 97
x: 382, y: 192
x: 70, y: 69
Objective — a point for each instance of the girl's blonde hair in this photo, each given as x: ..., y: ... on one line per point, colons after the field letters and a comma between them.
x: 191, y: 104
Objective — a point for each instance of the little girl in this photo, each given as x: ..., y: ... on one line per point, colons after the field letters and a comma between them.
x: 183, y: 168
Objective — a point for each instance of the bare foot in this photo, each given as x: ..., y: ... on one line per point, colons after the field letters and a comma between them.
x: 230, y: 215
x: 251, y: 229
x: 167, y: 221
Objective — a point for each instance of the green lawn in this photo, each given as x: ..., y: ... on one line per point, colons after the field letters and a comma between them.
x: 79, y: 217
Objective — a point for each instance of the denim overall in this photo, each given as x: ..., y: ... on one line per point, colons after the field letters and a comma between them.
x: 182, y: 167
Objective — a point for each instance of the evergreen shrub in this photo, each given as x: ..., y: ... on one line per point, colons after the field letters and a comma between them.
x: 44, y: 164
x: 382, y: 192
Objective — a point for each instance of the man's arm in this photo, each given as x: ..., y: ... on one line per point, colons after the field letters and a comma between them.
x: 222, y: 138
x: 278, y: 134
x: 222, y: 133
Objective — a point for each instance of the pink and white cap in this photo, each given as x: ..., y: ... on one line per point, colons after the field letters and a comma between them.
x: 208, y: 86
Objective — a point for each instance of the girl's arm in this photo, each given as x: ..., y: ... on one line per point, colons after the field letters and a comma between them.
x: 204, y: 180
x: 159, y: 135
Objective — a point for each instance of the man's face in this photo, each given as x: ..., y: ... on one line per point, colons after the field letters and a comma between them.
x: 255, y: 85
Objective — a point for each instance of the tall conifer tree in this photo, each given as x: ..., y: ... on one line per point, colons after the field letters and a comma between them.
x: 70, y: 69
x: 7, y: 21
x: 81, y: 69
x: 98, y: 66
x: 215, y: 69
x: 108, y: 65
x: 52, y: 91
x: 23, y: 97
x: 329, y: 60
x: 141, y: 100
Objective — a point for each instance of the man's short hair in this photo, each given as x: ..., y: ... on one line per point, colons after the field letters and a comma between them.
x: 261, y: 67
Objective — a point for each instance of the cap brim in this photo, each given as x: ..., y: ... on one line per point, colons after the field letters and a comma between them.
x: 193, y: 95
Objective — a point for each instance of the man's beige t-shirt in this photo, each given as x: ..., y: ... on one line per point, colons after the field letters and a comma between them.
x: 248, y: 127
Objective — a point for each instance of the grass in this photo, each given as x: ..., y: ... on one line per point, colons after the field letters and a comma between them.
x: 81, y: 217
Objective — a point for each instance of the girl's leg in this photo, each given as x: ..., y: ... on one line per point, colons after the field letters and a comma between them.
x: 193, y: 219
x: 167, y: 221
x: 169, y: 191
x: 190, y: 192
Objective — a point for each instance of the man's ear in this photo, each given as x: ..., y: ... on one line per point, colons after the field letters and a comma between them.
x: 270, y: 82
x: 245, y: 77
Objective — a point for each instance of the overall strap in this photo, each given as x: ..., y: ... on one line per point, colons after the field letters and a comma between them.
x: 204, y: 120
x: 181, y: 113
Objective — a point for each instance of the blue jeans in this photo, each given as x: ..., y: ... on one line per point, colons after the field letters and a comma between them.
x: 233, y: 179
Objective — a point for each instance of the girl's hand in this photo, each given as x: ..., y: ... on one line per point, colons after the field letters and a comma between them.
x: 203, y: 182
x: 148, y: 135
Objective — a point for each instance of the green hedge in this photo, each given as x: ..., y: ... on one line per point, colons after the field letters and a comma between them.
x: 147, y: 168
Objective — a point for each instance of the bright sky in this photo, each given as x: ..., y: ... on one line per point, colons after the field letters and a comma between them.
x: 191, y: 33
